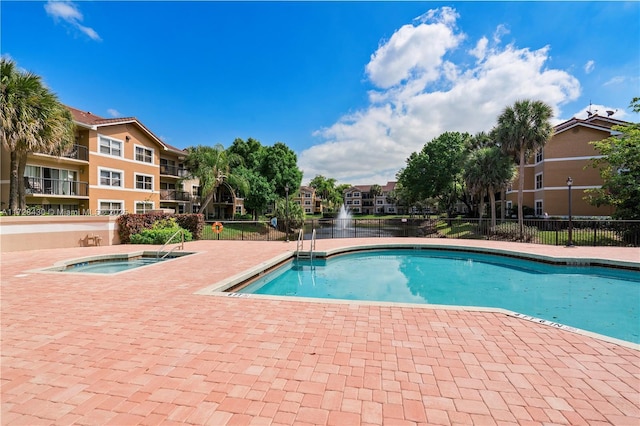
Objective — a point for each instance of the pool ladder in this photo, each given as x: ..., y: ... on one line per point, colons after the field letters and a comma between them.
x: 300, y: 254
x: 179, y: 246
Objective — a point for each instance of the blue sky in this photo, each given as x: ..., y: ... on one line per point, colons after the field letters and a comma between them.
x: 352, y: 87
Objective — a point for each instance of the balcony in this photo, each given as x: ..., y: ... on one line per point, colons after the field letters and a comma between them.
x: 168, y: 170
x: 46, y: 186
x: 79, y: 152
x: 173, y: 195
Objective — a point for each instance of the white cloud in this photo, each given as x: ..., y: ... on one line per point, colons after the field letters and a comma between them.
x: 589, y: 66
x: 114, y: 112
x: 619, y: 79
x: 67, y: 12
x: 421, y: 94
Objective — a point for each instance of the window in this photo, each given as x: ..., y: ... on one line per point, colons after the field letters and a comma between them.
x: 539, y: 181
x: 349, y: 202
x: 144, y: 182
x: 110, y: 178
x: 348, y: 195
x: 307, y: 210
x: 307, y: 195
x: 357, y: 202
x: 195, y: 191
x: 110, y: 146
x: 539, y: 208
x: 307, y: 202
x: 110, y: 207
x: 379, y: 202
x: 238, y: 209
x: 356, y: 194
x: 539, y: 155
x: 144, y: 154
x: 143, y: 206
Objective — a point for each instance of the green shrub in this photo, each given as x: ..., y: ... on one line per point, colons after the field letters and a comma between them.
x: 159, y: 236
x: 131, y: 224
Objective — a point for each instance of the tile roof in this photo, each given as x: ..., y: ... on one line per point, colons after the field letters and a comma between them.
x: 90, y: 119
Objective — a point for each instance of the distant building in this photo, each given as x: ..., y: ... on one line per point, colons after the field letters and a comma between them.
x: 567, y: 154
x: 358, y: 199
x: 307, y: 198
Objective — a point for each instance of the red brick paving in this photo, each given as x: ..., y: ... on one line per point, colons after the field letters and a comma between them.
x: 142, y: 348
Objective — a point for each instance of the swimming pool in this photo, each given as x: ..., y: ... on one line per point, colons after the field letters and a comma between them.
x: 598, y: 299
x: 114, y: 263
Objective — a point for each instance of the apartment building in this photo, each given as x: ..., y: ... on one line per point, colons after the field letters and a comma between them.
x: 360, y: 200
x: 307, y: 198
x: 567, y: 154
x: 117, y: 165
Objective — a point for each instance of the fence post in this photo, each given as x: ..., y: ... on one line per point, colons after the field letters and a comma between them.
x: 595, y: 231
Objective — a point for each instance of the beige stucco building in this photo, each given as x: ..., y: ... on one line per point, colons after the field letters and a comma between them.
x: 567, y: 154
x: 117, y: 165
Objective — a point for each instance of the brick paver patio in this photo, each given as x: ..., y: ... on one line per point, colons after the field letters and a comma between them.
x: 142, y: 348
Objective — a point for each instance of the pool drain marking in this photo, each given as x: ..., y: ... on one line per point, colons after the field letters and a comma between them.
x: 544, y: 322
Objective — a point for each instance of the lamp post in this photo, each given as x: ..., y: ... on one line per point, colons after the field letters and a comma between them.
x: 570, y: 238
x: 286, y: 215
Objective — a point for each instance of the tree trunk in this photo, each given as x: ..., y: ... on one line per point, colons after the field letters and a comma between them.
x: 492, y: 200
x: 22, y: 165
x: 13, y: 184
x: 521, y: 193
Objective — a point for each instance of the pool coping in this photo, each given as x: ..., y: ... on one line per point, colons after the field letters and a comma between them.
x: 220, y: 289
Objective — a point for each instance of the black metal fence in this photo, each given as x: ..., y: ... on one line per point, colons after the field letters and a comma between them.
x: 539, y: 231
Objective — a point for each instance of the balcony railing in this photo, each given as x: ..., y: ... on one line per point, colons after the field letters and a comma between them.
x: 168, y: 170
x: 72, y: 188
x: 79, y: 152
x: 173, y: 195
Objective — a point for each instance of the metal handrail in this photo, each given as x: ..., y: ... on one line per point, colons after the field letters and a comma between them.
x: 181, y: 245
x: 313, y: 243
x: 300, y: 242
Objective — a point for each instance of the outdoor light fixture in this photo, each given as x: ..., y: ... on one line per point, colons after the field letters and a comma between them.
x: 570, y: 236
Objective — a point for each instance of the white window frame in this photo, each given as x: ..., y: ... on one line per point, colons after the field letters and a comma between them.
x: 535, y: 181
x: 104, y: 169
x: 111, y: 209
x: 145, y: 148
x: 536, y: 203
x: 111, y: 141
x: 539, y: 155
x: 144, y: 209
x: 356, y: 202
x: 135, y: 179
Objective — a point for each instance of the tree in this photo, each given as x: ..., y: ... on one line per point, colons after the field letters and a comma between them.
x: 250, y: 152
x: 326, y: 189
x: 280, y: 167
x: 32, y: 120
x: 620, y: 170
x: 433, y: 172
x: 375, y: 190
x: 211, y: 166
x: 486, y: 170
x: 522, y: 129
x: 261, y: 192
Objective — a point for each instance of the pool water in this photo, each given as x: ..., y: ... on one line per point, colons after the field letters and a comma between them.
x: 597, y: 299
x: 111, y: 266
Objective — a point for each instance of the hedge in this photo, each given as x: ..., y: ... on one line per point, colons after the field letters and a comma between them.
x: 129, y: 224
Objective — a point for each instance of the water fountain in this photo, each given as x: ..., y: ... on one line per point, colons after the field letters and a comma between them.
x: 344, y: 220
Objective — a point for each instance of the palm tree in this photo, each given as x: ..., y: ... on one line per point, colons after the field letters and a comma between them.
x: 212, y: 167
x: 522, y: 129
x: 31, y: 120
x: 486, y: 170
